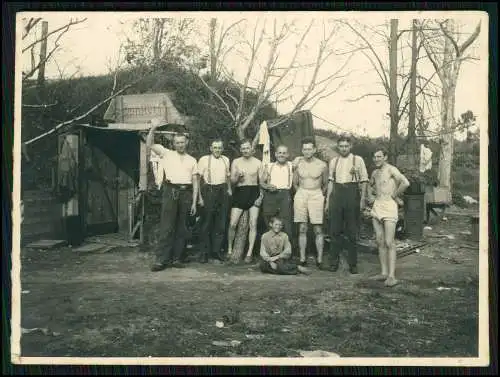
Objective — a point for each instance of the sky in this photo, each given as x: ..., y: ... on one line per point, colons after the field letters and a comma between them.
x: 91, y: 48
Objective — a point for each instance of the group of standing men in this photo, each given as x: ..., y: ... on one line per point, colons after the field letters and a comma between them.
x: 301, y: 191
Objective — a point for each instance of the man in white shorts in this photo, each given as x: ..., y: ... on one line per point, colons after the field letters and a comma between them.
x: 310, y: 183
x: 387, y: 184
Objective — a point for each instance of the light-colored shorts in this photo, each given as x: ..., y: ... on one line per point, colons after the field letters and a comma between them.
x: 309, y: 206
x: 385, y: 210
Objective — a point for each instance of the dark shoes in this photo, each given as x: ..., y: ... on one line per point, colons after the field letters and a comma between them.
x: 158, y: 267
x: 161, y: 266
x: 334, y: 267
x: 320, y: 266
x: 353, y: 270
x: 178, y: 264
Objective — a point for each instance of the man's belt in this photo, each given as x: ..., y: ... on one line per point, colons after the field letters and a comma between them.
x: 347, y: 184
x: 278, y: 190
x: 214, y: 185
x: 180, y: 186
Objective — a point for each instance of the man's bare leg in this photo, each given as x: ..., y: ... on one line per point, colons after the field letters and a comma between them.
x: 233, y: 224
x: 252, y: 232
x: 389, y: 232
x: 378, y: 227
x: 302, y: 241
x: 320, y: 242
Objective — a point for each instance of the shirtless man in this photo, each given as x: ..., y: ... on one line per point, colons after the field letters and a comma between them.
x: 310, y: 182
x: 247, y: 195
x: 387, y: 184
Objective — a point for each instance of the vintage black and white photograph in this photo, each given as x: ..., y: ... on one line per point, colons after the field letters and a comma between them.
x: 223, y: 187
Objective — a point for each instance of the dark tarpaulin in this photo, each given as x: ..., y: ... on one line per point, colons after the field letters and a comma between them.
x: 290, y: 132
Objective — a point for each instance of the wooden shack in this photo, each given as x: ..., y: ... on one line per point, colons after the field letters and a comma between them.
x: 110, y: 166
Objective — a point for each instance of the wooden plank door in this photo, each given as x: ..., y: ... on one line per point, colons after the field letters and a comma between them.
x: 101, y: 175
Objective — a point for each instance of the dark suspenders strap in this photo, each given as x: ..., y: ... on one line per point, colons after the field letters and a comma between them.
x: 210, y: 168
x: 289, y: 168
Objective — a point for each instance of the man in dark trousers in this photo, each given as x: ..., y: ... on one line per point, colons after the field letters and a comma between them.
x: 215, y: 193
x: 347, y: 184
x: 277, y: 180
x: 179, y: 197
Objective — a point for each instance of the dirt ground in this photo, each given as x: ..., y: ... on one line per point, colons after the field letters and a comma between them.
x: 104, y: 305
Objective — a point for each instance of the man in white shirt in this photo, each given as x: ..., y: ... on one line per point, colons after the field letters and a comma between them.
x: 215, y: 192
x: 179, y: 197
x: 277, y: 180
x: 347, y: 183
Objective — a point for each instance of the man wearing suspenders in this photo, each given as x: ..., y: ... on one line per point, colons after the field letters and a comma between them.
x: 277, y: 182
x: 215, y: 192
x: 346, y: 196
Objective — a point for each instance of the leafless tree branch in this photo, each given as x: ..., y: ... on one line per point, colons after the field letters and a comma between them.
x: 65, y: 28
x: 80, y: 117
x: 367, y: 95
x: 32, y: 22
x: 217, y: 95
x: 43, y: 106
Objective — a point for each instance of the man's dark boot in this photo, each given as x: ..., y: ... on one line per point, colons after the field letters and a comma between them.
x: 178, y: 264
x: 158, y: 267
x: 204, y: 258
x: 353, y: 270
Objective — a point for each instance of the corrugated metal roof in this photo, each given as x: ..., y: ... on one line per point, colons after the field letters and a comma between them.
x: 137, y: 127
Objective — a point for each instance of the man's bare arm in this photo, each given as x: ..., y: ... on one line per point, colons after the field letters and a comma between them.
x: 196, y: 188
x: 324, y: 179
x: 363, y: 188
x: 234, y: 173
x: 401, y: 180
x: 158, y: 149
x: 228, y: 181
x: 296, y: 179
x: 371, y: 189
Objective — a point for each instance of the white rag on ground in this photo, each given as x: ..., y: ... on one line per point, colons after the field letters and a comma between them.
x: 425, y: 159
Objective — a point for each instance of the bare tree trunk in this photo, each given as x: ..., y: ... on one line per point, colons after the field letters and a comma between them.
x: 449, y: 74
x: 393, y: 91
x: 43, y: 53
x: 213, y: 50
x: 447, y: 135
x: 412, y: 140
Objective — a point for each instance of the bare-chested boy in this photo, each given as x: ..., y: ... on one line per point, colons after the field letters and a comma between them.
x: 247, y: 195
x: 310, y: 183
x: 387, y: 184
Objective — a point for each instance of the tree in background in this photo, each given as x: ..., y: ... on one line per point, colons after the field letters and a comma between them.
x: 35, y: 39
x: 154, y: 41
x: 446, y: 53
x: 268, y: 76
x: 401, y: 83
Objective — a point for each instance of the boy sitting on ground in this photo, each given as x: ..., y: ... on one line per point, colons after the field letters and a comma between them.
x: 276, y: 251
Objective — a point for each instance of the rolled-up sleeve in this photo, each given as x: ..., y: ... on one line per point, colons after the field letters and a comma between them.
x: 363, y: 174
